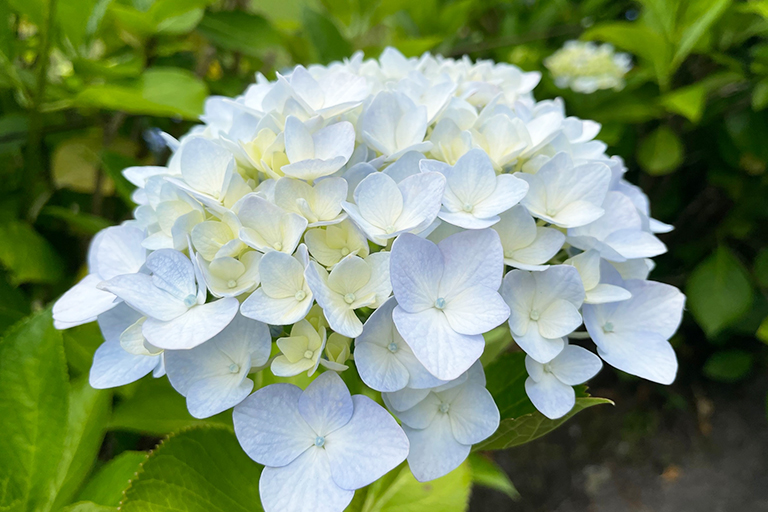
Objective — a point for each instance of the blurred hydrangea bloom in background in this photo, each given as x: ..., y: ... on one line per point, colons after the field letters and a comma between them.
x: 587, y: 67
x: 409, y: 204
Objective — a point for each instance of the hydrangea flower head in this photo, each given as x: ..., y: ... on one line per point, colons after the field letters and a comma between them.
x: 586, y: 67
x: 377, y: 217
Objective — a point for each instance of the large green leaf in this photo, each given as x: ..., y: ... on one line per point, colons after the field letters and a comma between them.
x: 239, y: 31
x: 107, y: 485
x: 88, y: 414
x: 520, y: 421
x: 197, y: 470
x: 325, y: 37
x: 157, y: 408
x: 27, y: 255
x: 640, y: 40
x: 164, y: 92
x: 719, y: 292
x: 699, y: 17
x: 34, y: 393
x: 399, y: 491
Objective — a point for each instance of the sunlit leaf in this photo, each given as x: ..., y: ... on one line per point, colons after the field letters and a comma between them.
x: 198, y: 470
x: 34, y: 397
x: 239, y: 31
x: 487, y: 473
x: 107, y: 485
x: 660, y: 152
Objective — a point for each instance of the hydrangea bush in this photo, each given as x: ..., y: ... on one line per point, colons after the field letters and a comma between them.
x: 378, y: 217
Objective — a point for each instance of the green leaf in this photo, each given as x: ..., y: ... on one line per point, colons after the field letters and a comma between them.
x: 157, y: 408
x: 34, y: 394
x: 239, y: 31
x: 163, y: 92
x: 79, y: 223
x: 14, y: 305
x: 728, y: 365
x: 163, y: 16
x: 73, y: 17
x: 686, y: 101
x: 719, y: 292
x: 762, y: 331
x: 87, y: 506
x: 760, y: 95
x: 27, y: 255
x: 761, y: 268
x: 399, y: 491
x: 88, y: 414
x: 524, y: 429
x: 106, y: 486
x: 702, y: 14
x: 325, y: 37
x: 520, y: 421
x: 496, y: 342
x: 639, y: 40
x: 198, y: 470
x: 487, y: 473
x: 660, y: 152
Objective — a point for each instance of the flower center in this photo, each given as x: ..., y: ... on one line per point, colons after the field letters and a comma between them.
x: 234, y: 368
x: 392, y: 347
x: 440, y: 303
x: 608, y: 327
x: 344, y: 251
x: 308, y: 354
x: 468, y: 207
x: 231, y: 283
x: 534, y: 315
x: 190, y: 300
x: 278, y: 246
x: 319, y: 441
x: 390, y: 229
x: 349, y: 298
x: 547, y: 368
x: 300, y: 295
x: 444, y: 408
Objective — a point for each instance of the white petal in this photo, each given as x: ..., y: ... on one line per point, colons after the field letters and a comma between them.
x: 421, y: 194
x: 575, y: 365
x: 299, y: 144
x: 471, y: 258
x: 199, y: 324
x: 475, y: 310
x: 379, y: 368
x: 422, y: 414
x: 305, y: 485
x: 140, y: 292
x: 416, y: 266
x: 213, y: 395
x: 445, y: 353
x: 538, y: 347
x: 285, y: 311
x: 117, y: 252
x: 269, y: 426
x: 335, y: 140
x: 518, y: 291
x: 560, y: 318
x: 558, y: 282
x: 434, y: 451
x: 326, y: 404
x: 83, y: 302
x: 206, y: 166
x: 604, y: 293
x: 473, y: 414
x: 508, y: 192
x: 550, y: 396
x: 113, y: 366
x: 173, y: 272
x: 379, y: 200
x: 370, y: 445
x: 642, y: 353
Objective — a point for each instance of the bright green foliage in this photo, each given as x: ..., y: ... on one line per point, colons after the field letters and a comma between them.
x: 155, y: 407
x: 660, y: 152
x: 196, y: 470
x: 106, y: 485
x: 399, y: 491
x: 51, y: 431
x: 28, y: 256
x: 719, y: 292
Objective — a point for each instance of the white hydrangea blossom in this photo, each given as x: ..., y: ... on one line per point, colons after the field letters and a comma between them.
x: 586, y: 67
x: 388, y: 212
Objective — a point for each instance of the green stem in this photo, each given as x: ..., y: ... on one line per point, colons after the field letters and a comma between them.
x: 39, y: 180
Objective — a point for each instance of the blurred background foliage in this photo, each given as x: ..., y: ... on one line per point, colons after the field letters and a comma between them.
x: 86, y: 86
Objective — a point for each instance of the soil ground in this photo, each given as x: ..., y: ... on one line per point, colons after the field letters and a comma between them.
x: 700, y: 448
